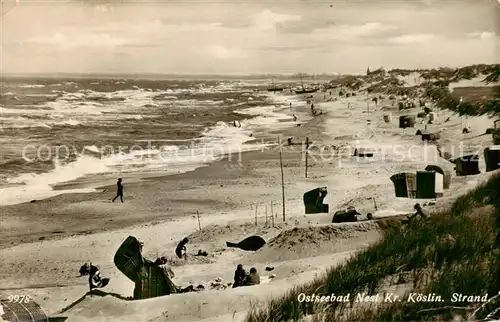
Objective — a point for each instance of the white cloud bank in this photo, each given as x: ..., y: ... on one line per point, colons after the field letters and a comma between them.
x: 412, y: 39
x: 65, y: 41
x: 263, y: 39
x: 268, y: 20
x: 220, y: 52
x: 485, y: 35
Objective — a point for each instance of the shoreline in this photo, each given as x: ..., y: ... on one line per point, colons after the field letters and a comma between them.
x: 51, y: 223
x: 99, y: 156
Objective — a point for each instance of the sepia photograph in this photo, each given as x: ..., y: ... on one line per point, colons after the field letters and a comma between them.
x: 249, y: 160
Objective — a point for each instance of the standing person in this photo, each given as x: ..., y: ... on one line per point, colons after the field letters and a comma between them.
x: 119, y: 190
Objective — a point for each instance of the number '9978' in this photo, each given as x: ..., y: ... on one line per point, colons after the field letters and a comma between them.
x: 19, y: 298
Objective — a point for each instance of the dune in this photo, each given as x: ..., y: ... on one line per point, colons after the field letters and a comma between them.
x: 304, y: 242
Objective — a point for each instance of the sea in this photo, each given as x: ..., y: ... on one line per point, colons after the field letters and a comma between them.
x: 74, y: 135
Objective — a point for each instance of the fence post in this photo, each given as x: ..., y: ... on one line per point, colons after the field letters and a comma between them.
x: 266, y: 215
x: 307, y: 154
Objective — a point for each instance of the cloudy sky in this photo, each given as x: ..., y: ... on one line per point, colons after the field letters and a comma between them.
x: 235, y: 37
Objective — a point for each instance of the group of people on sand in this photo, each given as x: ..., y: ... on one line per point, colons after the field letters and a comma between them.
x: 241, y: 278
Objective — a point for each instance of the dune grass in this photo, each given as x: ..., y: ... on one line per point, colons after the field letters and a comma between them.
x: 456, y: 251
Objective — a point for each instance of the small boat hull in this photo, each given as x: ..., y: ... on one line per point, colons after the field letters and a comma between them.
x: 306, y: 91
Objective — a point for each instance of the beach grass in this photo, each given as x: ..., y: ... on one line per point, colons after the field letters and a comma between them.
x: 456, y: 251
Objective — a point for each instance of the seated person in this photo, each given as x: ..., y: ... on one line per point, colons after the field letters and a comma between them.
x: 169, y: 274
x: 419, y: 212
x: 252, y: 279
x: 239, y: 276
x: 95, y: 279
x: 162, y: 263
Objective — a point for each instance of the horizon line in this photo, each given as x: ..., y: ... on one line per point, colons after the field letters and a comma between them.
x: 111, y: 74
x: 149, y: 75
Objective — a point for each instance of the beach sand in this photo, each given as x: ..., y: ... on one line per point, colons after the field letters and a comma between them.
x: 44, y: 243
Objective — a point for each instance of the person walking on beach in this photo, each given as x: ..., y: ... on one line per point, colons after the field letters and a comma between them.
x: 119, y: 190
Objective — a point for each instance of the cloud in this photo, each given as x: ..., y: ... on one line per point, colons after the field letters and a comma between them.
x: 159, y: 25
x: 154, y: 26
x: 411, y: 39
x: 220, y: 52
x: 353, y: 32
x: 287, y: 48
x: 485, y: 35
x: 101, y: 8
x: 81, y: 40
x: 268, y: 20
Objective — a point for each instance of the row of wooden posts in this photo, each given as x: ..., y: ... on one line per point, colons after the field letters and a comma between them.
x: 282, y: 188
x: 270, y: 218
x: 256, y: 206
x: 267, y: 217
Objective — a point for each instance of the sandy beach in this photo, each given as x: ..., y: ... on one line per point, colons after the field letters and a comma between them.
x: 216, y: 119
x: 48, y: 240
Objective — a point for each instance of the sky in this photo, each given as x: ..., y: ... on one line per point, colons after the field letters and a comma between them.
x: 245, y: 37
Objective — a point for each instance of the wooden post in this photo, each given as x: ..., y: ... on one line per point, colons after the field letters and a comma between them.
x: 198, y: 215
x: 307, y: 150
x: 256, y: 214
x: 367, y: 103
x: 282, y: 179
x: 90, y: 279
x: 266, y: 215
x: 375, y: 202
x: 272, y: 215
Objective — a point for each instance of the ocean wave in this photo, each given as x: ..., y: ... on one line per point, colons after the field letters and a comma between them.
x: 215, y: 143
x: 70, y: 122
x: 25, y: 122
x: 131, y: 108
x: 31, y: 86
